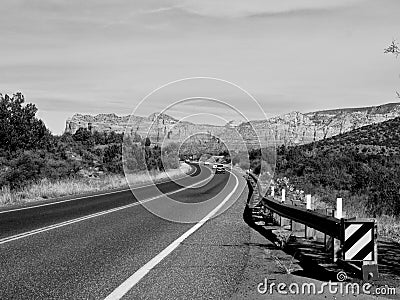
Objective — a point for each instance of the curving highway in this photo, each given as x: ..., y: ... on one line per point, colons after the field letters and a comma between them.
x: 111, y: 247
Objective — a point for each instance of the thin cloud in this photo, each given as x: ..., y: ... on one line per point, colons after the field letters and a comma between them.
x: 242, y: 9
x: 160, y: 9
x: 143, y: 12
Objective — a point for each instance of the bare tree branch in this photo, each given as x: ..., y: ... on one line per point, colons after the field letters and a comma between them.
x: 393, y: 48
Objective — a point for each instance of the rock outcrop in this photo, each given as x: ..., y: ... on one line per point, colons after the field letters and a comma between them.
x: 289, y: 129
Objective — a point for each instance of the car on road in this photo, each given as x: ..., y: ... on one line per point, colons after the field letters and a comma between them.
x: 206, y: 163
x: 220, y: 169
x: 214, y: 166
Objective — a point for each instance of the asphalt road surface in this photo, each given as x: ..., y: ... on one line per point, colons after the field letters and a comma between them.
x: 110, y: 246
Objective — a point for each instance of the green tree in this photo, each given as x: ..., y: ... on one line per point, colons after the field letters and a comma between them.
x: 19, y: 127
x: 114, y: 137
x: 99, y: 138
x: 113, y: 158
x: 82, y: 135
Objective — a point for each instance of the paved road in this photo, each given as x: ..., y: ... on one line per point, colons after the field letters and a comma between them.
x: 91, y: 258
x: 38, y: 215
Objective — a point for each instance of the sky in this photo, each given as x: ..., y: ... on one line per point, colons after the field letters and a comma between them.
x: 98, y: 56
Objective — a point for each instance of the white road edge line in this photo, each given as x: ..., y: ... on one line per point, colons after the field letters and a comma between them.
x: 84, y: 197
x: 128, y: 284
x: 69, y: 222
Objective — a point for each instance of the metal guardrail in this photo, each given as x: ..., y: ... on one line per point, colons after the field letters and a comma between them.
x: 326, y: 224
x: 353, y: 243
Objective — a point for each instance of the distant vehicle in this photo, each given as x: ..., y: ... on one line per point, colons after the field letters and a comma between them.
x: 220, y: 169
x: 206, y: 163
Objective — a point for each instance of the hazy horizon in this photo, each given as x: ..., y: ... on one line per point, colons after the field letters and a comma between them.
x: 96, y: 57
x: 304, y: 112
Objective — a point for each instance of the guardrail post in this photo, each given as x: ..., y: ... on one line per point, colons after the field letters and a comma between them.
x: 370, y: 268
x: 282, y: 201
x: 339, y: 208
x: 337, y: 243
x: 308, y: 201
x: 328, y: 239
x: 318, y: 235
x: 308, y: 206
x: 325, y: 238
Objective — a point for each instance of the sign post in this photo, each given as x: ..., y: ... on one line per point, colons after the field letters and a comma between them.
x: 360, y: 245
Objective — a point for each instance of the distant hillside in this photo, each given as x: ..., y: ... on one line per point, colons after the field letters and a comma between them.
x: 361, y: 166
x: 293, y: 128
x: 380, y: 138
x: 380, y: 109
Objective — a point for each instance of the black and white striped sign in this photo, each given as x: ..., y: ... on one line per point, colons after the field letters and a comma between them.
x: 358, y: 241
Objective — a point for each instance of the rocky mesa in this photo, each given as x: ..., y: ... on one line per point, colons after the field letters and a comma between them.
x: 289, y: 129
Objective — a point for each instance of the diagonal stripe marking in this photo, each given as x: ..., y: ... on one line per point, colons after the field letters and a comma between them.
x: 350, y: 230
x: 358, y: 246
x: 369, y: 256
x: 364, y: 252
x: 356, y: 236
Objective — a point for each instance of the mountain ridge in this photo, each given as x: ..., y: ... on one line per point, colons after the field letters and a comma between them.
x: 290, y: 129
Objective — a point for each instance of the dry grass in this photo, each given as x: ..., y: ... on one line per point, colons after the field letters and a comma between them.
x: 284, y: 266
x: 388, y: 226
x: 46, y: 189
x: 283, y: 237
